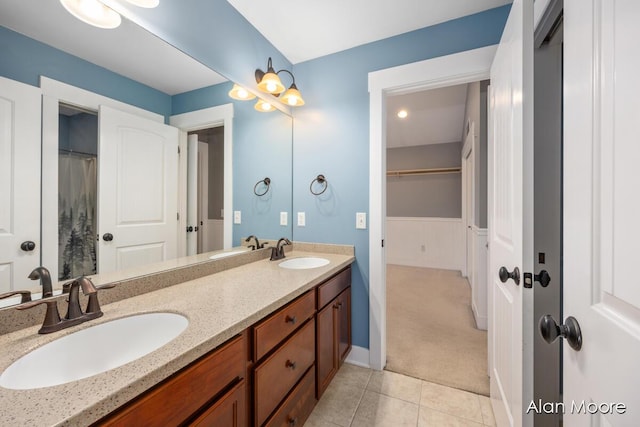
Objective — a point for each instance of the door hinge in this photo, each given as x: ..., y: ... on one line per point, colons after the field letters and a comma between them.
x: 528, y: 280
x: 178, y: 216
x: 178, y: 149
x: 383, y: 243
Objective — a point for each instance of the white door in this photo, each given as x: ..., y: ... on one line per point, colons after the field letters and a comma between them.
x: 137, y: 191
x: 192, y: 194
x: 203, y: 199
x: 20, y: 107
x: 601, y: 210
x: 510, y: 218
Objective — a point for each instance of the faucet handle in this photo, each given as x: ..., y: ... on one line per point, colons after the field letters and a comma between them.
x: 93, y: 305
x: 24, y: 294
x: 51, y: 318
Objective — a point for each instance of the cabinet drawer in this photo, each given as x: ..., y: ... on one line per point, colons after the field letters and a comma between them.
x: 167, y: 404
x: 282, y: 370
x: 332, y: 287
x: 229, y: 410
x: 268, y: 333
x: 298, y: 406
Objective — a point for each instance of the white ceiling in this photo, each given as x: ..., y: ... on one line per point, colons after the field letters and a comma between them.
x: 302, y: 30
x: 435, y: 117
x: 127, y: 50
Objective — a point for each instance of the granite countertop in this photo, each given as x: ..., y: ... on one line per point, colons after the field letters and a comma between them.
x: 218, y: 306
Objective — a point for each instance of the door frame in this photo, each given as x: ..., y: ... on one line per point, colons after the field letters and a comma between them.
x: 459, y: 68
x: 468, y: 181
x: 221, y: 115
x: 53, y: 93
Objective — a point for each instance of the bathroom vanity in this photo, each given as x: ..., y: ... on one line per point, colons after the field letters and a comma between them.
x: 259, y: 350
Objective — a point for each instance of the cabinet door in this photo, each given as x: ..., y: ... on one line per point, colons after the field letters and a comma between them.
x: 344, y: 324
x: 229, y: 411
x: 326, y: 357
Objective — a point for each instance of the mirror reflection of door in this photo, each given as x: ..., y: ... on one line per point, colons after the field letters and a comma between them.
x: 77, y: 192
x: 205, y: 202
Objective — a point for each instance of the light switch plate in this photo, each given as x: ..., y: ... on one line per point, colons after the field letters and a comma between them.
x: 283, y: 218
x: 237, y: 217
x: 301, y: 219
x: 361, y: 220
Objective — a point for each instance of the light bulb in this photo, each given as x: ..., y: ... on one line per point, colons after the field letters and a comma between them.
x: 402, y: 114
x: 271, y: 87
x: 293, y: 100
x: 266, y: 106
x: 242, y: 93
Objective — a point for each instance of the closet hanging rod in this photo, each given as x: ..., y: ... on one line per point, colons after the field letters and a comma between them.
x: 431, y: 171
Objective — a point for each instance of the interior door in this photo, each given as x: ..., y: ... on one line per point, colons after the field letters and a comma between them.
x: 192, y: 194
x: 137, y: 190
x: 510, y: 218
x: 204, y: 231
x: 601, y: 211
x: 20, y: 107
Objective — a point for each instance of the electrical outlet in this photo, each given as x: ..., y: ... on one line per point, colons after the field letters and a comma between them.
x: 283, y: 218
x: 301, y: 219
x: 237, y: 217
x: 361, y: 220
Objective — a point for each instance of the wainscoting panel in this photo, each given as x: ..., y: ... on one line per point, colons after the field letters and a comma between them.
x: 426, y: 242
x: 479, y: 277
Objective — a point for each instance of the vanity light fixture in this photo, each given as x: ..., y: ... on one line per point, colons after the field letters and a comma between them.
x: 269, y: 82
x: 240, y: 93
x: 98, y: 14
x: 264, y: 106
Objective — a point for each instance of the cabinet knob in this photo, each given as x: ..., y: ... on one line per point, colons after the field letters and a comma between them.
x: 292, y: 421
x: 290, y: 319
x: 290, y: 364
x: 107, y: 237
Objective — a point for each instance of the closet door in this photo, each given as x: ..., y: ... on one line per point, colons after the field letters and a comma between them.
x: 137, y: 191
x: 19, y: 183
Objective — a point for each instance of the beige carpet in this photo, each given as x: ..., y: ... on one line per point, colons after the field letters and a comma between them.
x: 431, y: 332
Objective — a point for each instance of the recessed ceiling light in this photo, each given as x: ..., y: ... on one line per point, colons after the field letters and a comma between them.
x: 93, y: 13
x: 402, y: 114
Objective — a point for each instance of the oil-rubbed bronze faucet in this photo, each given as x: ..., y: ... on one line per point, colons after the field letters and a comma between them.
x: 45, y: 280
x: 277, y: 252
x: 75, y: 316
x: 257, y: 245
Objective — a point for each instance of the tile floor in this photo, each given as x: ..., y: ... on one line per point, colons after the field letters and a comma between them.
x: 360, y: 397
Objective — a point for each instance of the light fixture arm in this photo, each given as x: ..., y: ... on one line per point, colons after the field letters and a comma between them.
x: 290, y: 73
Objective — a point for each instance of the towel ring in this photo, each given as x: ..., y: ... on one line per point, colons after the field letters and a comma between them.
x: 321, y: 180
x: 266, y: 182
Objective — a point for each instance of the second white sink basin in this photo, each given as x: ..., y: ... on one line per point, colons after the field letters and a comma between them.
x: 93, y: 350
x: 304, y: 263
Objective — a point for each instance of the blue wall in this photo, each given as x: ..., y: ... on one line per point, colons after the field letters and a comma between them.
x: 331, y: 134
x: 25, y: 60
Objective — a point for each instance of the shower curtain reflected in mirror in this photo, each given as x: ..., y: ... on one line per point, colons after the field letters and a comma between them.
x: 77, y: 188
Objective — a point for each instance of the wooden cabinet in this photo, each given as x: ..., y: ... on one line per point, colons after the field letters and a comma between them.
x: 191, y: 391
x: 333, y: 328
x: 284, y: 354
x: 229, y: 411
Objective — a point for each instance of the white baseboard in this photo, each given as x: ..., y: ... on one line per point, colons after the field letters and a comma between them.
x: 481, y: 321
x: 358, y: 356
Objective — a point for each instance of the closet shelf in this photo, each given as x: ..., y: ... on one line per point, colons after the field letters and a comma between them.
x: 407, y: 172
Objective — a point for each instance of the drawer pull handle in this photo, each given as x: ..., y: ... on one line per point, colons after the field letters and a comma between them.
x: 290, y: 364
x: 337, y: 305
x: 292, y: 421
x: 290, y: 319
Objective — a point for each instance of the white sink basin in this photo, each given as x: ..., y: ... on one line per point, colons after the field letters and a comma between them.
x: 228, y: 253
x: 303, y: 263
x: 93, y: 350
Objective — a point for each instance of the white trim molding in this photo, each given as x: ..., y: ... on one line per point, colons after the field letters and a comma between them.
x: 358, y: 356
x: 221, y: 115
x: 459, y: 68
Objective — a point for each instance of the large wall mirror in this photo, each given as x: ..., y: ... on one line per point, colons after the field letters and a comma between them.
x: 98, y: 161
